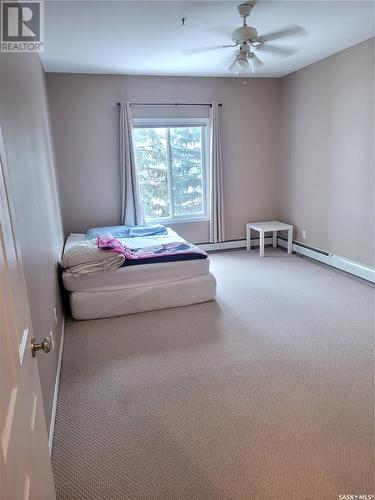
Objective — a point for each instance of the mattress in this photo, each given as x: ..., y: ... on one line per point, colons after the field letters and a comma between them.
x: 109, y: 303
x: 135, y: 276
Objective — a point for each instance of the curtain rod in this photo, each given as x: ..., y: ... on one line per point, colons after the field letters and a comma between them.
x: 170, y: 104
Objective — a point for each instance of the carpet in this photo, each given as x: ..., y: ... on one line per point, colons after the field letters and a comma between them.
x: 265, y: 393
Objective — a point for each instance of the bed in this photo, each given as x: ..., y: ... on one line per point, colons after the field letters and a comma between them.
x: 138, y: 288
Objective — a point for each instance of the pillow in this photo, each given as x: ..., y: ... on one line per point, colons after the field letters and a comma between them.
x: 116, y: 231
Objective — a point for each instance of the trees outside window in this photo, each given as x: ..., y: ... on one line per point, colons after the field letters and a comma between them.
x: 171, y: 163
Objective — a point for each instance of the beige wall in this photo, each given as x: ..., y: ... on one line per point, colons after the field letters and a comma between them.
x: 85, y: 124
x: 326, y: 167
x: 25, y: 127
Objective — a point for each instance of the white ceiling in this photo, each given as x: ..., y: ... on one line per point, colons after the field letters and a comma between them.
x: 147, y: 38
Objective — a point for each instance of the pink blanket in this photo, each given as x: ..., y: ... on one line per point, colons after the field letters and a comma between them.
x: 108, y: 242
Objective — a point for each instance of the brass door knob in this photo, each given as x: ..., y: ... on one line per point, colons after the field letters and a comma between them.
x: 45, y: 344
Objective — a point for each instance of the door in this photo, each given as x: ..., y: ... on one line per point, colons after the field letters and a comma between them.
x: 25, y: 466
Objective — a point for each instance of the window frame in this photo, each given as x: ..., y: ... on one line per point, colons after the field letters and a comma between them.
x: 183, y: 122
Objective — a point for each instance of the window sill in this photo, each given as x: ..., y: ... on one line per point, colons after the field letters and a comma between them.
x: 170, y: 222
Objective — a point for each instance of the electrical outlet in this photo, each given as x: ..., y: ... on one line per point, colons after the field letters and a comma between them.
x: 55, y: 315
x: 52, y: 337
x: 304, y: 234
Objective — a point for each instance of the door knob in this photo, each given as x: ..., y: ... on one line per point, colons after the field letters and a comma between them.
x: 45, y: 344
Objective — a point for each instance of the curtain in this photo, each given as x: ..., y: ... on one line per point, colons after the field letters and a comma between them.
x: 216, y: 178
x: 131, y: 203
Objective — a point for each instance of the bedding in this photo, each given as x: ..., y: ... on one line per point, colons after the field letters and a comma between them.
x: 126, y: 231
x: 85, y: 257
x: 134, y: 242
x: 165, y: 252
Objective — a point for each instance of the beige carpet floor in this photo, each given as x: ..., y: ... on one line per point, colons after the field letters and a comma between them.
x: 266, y: 393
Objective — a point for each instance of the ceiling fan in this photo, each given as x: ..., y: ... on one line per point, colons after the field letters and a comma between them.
x: 246, y: 38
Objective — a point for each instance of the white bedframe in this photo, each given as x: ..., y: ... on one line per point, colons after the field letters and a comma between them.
x: 140, y: 288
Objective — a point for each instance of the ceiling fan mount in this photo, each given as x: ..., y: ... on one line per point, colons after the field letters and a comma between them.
x: 245, y: 8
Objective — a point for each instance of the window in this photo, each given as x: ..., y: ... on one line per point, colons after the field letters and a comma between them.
x: 172, y: 167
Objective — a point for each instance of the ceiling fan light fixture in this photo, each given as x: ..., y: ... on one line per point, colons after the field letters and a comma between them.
x: 240, y: 64
x: 255, y: 62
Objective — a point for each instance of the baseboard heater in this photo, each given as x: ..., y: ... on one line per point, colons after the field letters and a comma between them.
x: 347, y: 265
x: 331, y: 259
x: 232, y: 244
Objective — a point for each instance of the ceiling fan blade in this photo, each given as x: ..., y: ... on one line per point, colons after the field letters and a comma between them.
x: 199, y: 50
x: 282, y: 51
x: 292, y: 30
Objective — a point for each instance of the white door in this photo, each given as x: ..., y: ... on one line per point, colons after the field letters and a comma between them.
x: 25, y: 466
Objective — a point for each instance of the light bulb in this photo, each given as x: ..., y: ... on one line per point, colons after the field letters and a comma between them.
x: 241, y: 65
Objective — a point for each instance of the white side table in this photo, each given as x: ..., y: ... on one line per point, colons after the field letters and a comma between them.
x: 270, y: 226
